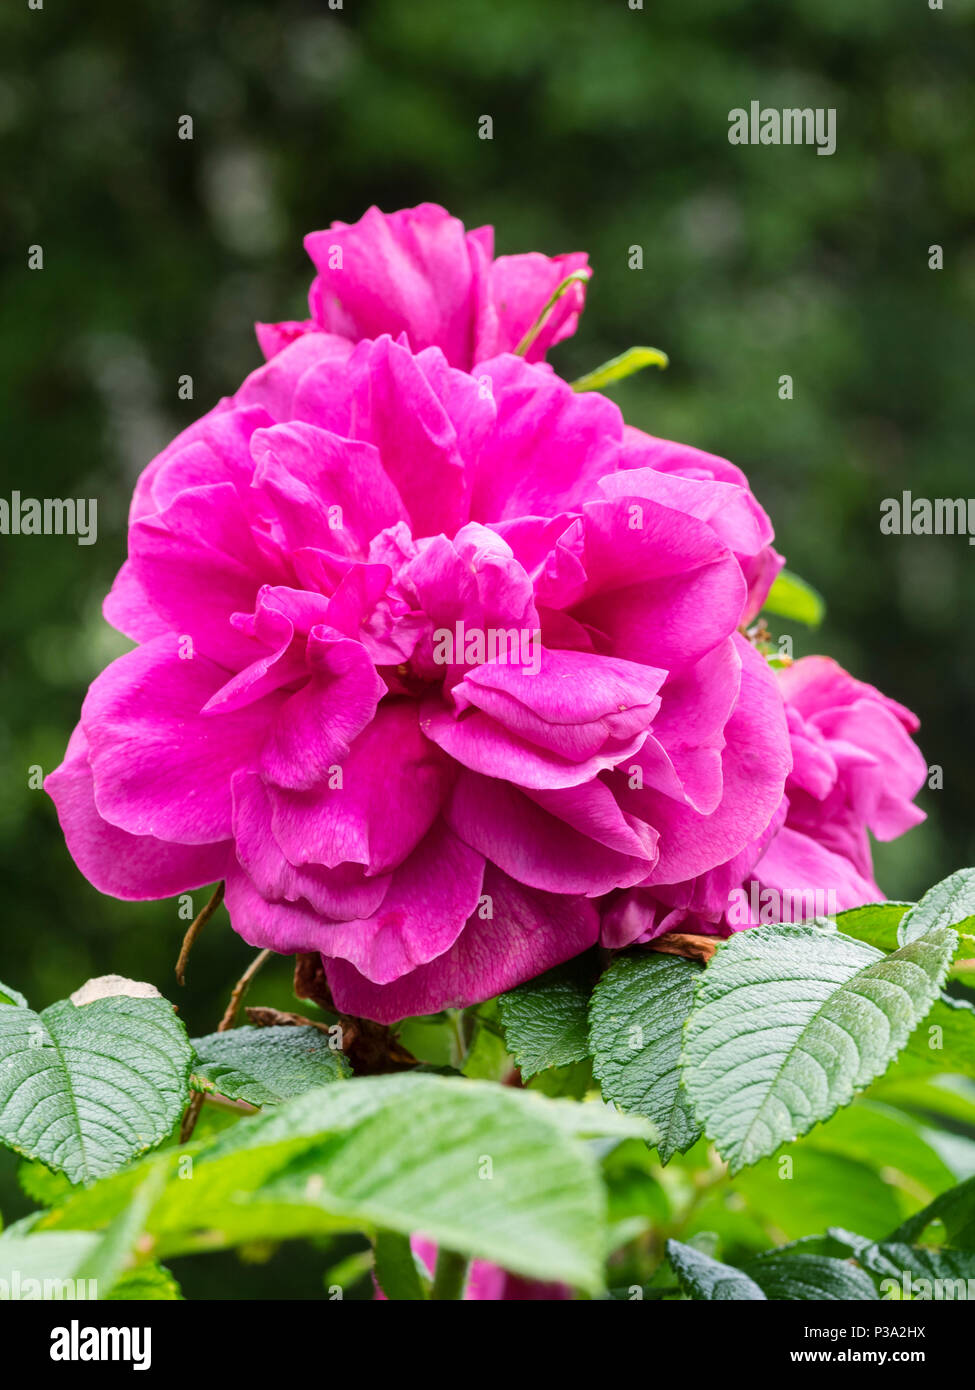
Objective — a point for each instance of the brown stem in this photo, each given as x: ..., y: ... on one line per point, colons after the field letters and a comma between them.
x: 688, y: 944
x: 370, y: 1047
x: 194, y: 931
x: 190, y: 1116
x: 240, y: 989
x: 192, y: 1112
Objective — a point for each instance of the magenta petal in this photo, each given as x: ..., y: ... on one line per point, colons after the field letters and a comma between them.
x: 549, y: 448
x: 794, y: 862
x: 161, y: 767
x: 534, y: 846
x: 283, y: 926
x: 480, y: 744
x: 199, y: 562
x: 430, y: 897
x: 327, y: 490
x: 313, y: 729
x: 755, y: 763
x: 527, y: 932
x: 276, y: 387
x: 573, y: 705
x: 340, y: 892
x: 520, y: 287
x: 730, y: 511
x: 398, y: 408
x: 661, y: 586
x: 391, y: 787
x: 407, y: 272
x: 134, y: 867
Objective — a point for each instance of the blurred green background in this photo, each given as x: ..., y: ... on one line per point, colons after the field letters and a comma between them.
x: 610, y: 130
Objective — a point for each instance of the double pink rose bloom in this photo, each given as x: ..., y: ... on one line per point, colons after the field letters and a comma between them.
x: 443, y: 668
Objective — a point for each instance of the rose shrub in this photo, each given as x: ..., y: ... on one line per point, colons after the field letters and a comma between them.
x: 444, y: 669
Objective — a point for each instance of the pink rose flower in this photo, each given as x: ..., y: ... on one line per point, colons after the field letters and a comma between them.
x: 429, y: 662
x: 420, y: 273
x: 855, y: 768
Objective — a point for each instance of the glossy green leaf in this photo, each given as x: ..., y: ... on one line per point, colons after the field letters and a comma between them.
x: 636, y: 1023
x: 791, y: 1021
x: 267, y: 1065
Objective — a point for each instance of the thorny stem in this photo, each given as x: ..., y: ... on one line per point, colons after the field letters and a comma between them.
x: 240, y: 989
x: 190, y: 1117
x: 194, y: 931
x: 192, y: 1113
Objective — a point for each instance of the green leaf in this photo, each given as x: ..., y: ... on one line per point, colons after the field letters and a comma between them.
x: 11, y: 996
x: 87, y: 1089
x: 902, y: 1264
x: 636, y: 1020
x: 634, y: 359
x: 876, y: 924
x: 573, y: 1080
x: 790, y: 1022
x: 791, y: 597
x: 546, y: 1021
x: 397, y: 1270
x: 483, y: 1169
x: 950, y: 903
x: 804, y: 1277
x: 951, y: 1048
x: 701, y: 1277
x: 268, y: 1065
x: 41, y: 1185
x: 825, y: 1188
x: 887, y: 1140
x: 52, y: 1257
x: 114, y: 1253
x: 954, y: 1210
x: 146, y: 1283
x: 487, y: 1057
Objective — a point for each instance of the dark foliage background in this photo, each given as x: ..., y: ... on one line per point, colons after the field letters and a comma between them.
x: 610, y: 129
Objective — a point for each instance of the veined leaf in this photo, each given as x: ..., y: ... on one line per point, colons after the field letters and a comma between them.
x: 704, y: 1278
x: 809, y: 1277
x: 546, y: 1021
x: 897, y: 1266
x: 55, y: 1256
x: 479, y: 1168
x: 945, y: 1041
x: 950, y: 903
x: 87, y: 1089
x: 875, y: 923
x: 637, y: 1016
x: 954, y: 1210
x: 790, y: 1022
x: 268, y: 1065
